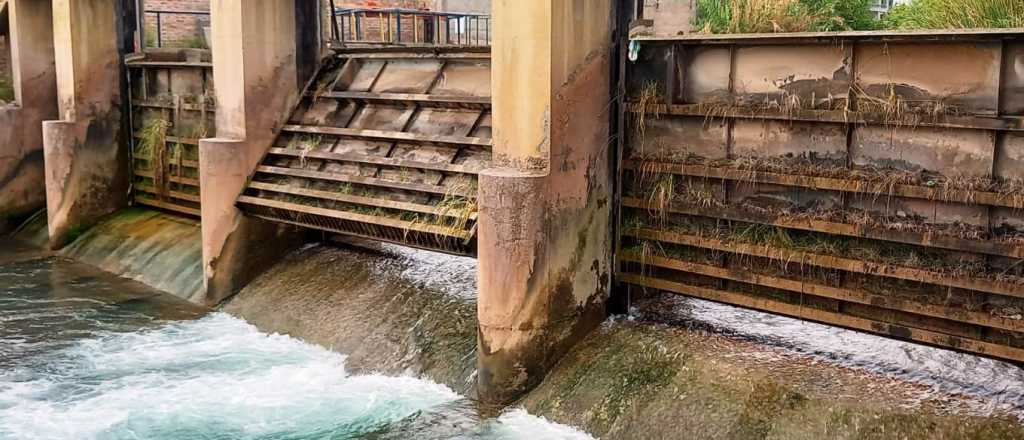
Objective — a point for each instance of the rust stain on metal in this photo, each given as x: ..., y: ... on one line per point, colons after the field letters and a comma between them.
x: 863, y: 183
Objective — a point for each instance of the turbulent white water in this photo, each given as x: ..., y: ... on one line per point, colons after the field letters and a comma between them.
x: 86, y: 368
x: 997, y: 386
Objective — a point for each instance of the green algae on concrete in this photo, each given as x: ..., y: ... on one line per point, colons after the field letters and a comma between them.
x: 161, y: 250
x: 647, y: 381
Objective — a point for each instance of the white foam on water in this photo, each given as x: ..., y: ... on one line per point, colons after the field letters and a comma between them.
x: 999, y: 385
x: 217, y: 378
x: 519, y: 424
x: 449, y: 274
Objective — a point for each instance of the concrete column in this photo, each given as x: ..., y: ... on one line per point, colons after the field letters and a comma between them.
x: 22, y: 188
x: 85, y: 153
x: 545, y: 206
x: 254, y: 67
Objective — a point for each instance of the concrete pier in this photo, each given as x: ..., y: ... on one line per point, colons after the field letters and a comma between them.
x: 255, y: 69
x: 35, y: 90
x: 85, y: 151
x: 545, y: 205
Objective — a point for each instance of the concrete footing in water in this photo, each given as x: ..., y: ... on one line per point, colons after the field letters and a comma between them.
x: 544, y: 235
x: 257, y: 77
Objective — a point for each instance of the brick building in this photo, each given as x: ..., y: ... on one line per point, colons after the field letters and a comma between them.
x: 177, y: 30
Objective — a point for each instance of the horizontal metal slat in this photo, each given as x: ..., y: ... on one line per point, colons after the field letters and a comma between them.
x: 376, y: 160
x: 369, y: 181
x: 174, y: 179
x: 832, y: 184
x: 830, y: 117
x: 836, y: 293
x: 391, y: 136
x: 827, y: 317
x: 423, y: 100
x: 173, y: 194
x: 351, y: 216
x: 987, y: 247
x: 832, y: 262
x: 168, y: 206
x: 347, y: 198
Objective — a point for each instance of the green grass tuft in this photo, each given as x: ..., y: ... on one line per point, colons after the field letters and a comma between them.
x: 956, y: 14
x: 768, y: 16
x: 6, y: 89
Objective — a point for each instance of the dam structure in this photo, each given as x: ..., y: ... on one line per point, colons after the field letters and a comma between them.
x: 586, y: 154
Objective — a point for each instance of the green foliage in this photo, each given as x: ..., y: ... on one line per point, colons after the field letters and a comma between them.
x: 193, y: 42
x: 956, y: 14
x: 6, y: 89
x: 765, y: 16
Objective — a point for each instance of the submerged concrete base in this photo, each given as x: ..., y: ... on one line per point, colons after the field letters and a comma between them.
x: 541, y: 266
x: 236, y: 248
x: 86, y: 175
x: 255, y: 67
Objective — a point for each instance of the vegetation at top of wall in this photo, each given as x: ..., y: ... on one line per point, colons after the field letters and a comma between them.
x: 770, y: 16
x: 765, y: 16
x: 6, y: 89
x: 945, y: 14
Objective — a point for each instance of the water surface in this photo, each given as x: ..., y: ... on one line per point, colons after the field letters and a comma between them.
x: 85, y: 355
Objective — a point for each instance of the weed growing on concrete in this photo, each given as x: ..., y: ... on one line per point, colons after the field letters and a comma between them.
x: 152, y: 136
x: 760, y: 16
x: 304, y: 143
x: 965, y: 14
x: 646, y: 106
x: 6, y: 89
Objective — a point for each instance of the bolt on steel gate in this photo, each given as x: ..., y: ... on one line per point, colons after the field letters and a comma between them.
x: 873, y: 181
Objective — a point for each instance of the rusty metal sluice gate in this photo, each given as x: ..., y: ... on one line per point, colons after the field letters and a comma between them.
x: 385, y: 144
x: 873, y: 181
x: 172, y: 107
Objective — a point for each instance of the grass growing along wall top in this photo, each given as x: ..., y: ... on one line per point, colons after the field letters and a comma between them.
x: 768, y: 16
x: 772, y: 16
x: 957, y: 14
x: 6, y: 89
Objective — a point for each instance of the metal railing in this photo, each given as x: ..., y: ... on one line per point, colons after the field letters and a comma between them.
x: 159, y: 40
x: 410, y: 27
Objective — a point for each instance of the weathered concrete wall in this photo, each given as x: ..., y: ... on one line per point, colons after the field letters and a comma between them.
x: 544, y: 244
x: 85, y: 154
x: 254, y: 56
x: 670, y: 17
x: 35, y: 87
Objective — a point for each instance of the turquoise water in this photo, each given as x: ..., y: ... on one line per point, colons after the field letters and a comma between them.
x: 84, y: 355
